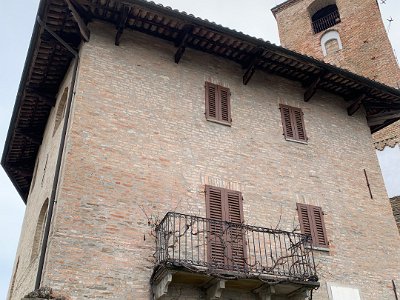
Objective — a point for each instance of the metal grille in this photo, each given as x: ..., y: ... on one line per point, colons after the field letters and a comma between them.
x: 186, y: 240
x: 326, y: 22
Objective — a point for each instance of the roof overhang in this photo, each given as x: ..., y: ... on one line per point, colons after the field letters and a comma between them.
x: 47, y: 63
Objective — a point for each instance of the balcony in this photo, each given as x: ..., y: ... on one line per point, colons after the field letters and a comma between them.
x: 215, y: 255
x: 326, y: 21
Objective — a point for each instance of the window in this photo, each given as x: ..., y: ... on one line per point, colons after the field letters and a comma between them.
x: 293, y: 123
x: 218, y: 106
x: 226, y: 244
x: 325, y: 18
x: 330, y: 42
x: 339, y: 292
x: 61, y: 110
x: 311, y: 220
x: 37, y: 240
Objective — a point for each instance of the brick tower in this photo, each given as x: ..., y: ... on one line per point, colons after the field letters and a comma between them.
x: 346, y: 33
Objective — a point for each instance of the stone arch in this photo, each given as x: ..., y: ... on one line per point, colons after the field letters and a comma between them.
x: 37, y: 239
x: 323, y: 14
x: 331, y: 42
x: 318, y: 5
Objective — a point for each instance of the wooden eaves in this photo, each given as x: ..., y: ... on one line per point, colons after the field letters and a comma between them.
x: 48, y: 61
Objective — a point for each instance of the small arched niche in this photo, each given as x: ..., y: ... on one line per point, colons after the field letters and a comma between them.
x: 324, y: 14
x: 61, y: 110
x: 330, y: 42
x: 37, y: 239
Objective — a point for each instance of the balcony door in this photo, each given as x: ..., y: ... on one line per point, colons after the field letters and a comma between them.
x: 226, y: 238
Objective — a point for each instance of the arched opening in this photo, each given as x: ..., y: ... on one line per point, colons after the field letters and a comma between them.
x: 61, y: 110
x: 325, y: 18
x: 330, y: 42
x: 37, y: 240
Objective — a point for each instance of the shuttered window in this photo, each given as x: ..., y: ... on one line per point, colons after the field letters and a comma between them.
x: 293, y: 123
x: 311, y: 220
x: 226, y: 243
x: 218, y: 106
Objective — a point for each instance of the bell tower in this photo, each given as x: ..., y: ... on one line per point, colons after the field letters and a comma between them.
x: 347, y: 33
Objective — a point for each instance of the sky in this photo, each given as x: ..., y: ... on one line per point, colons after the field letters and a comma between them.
x: 16, y: 25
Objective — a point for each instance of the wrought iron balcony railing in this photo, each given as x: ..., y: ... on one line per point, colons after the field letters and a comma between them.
x: 326, y: 22
x: 218, y: 247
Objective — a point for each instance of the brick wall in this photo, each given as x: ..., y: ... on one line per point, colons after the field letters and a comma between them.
x: 388, y: 136
x: 139, y: 144
x: 395, y: 202
x: 23, y: 279
x: 365, y: 52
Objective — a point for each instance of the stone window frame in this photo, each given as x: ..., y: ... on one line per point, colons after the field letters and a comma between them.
x: 329, y: 286
x: 60, y: 113
x: 39, y: 230
x: 328, y: 36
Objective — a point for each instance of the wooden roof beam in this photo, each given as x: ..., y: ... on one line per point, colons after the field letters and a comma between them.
x: 353, y: 107
x: 381, y: 118
x: 312, y: 88
x: 84, y: 31
x: 251, y: 66
x: 31, y: 135
x: 123, y: 18
x: 182, y: 41
x: 21, y: 171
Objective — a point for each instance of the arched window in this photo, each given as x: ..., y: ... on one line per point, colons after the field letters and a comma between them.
x: 37, y: 240
x: 324, y: 17
x: 61, y: 110
x: 330, y: 42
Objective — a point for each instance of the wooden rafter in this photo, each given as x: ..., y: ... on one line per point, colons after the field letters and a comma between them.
x: 252, y: 65
x: 181, y: 42
x: 382, y: 118
x: 312, y: 88
x: 84, y: 31
x: 355, y: 104
x: 124, y: 15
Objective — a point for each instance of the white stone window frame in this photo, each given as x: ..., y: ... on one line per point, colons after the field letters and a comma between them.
x: 328, y: 36
x: 338, y: 285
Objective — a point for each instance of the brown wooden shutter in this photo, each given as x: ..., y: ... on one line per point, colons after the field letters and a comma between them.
x: 215, y: 211
x: 304, y: 219
x: 236, y: 239
x: 218, y: 105
x: 225, y: 111
x: 288, y: 130
x: 311, y: 220
x: 319, y: 236
x: 299, y: 124
x: 293, y: 123
x: 211, y: 101
x: 226, y: 243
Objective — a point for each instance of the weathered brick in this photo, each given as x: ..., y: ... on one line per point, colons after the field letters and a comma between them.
x: 139, y: 144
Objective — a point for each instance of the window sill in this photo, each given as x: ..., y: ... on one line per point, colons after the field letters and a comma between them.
x: 296, y: 141
x: 219, y: 122
x: 321, y: 249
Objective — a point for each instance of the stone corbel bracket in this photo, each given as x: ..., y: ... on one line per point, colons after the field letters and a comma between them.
x: 214, y: 292
x: 161, y: 287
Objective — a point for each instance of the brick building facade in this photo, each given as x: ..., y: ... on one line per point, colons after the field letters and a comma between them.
x: 126, y: 135
x: 362, y: 51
